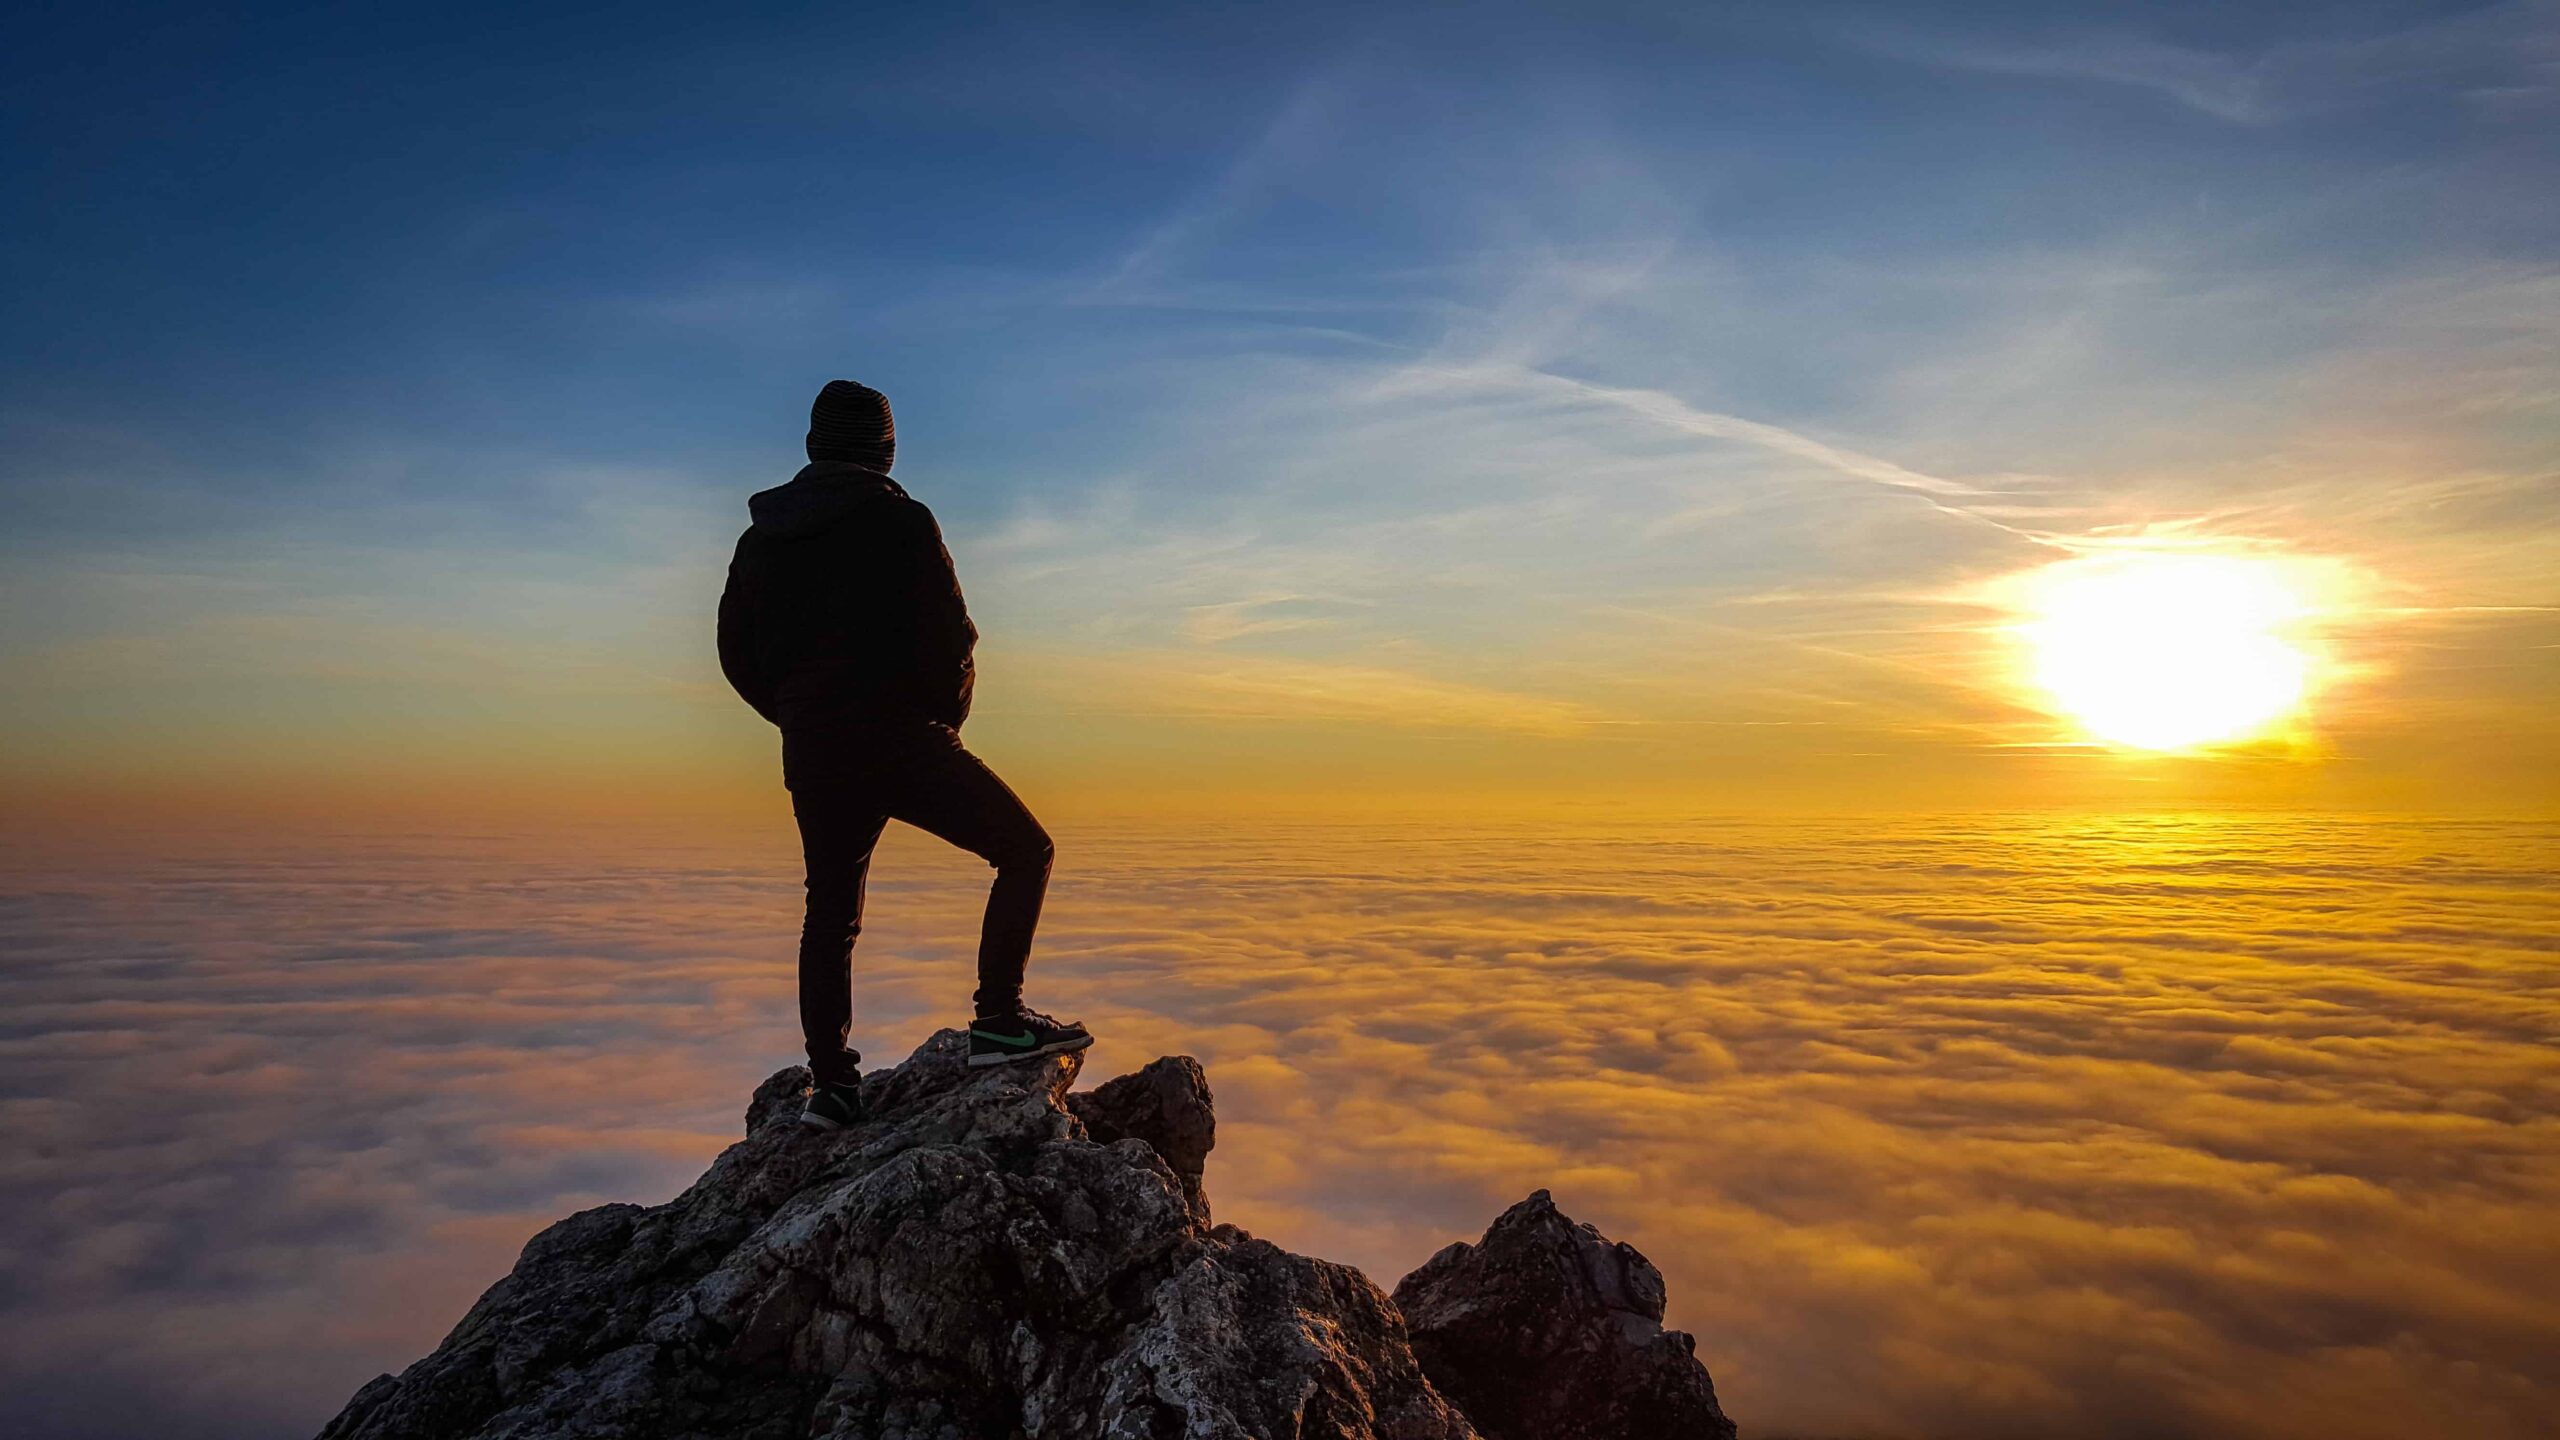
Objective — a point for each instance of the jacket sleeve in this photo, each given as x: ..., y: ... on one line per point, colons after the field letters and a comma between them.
x: 739, y: 653
x: 945, y: 641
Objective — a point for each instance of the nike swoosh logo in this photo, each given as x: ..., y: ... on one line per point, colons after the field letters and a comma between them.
x: 1019, y: 1042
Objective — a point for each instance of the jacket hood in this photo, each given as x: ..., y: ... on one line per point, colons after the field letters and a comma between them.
x: 820, y: 496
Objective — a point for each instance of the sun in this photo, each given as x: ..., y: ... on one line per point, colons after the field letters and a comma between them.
x: 2169, y: 651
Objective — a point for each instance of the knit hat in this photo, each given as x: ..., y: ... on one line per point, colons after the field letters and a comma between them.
x: 851, y: 422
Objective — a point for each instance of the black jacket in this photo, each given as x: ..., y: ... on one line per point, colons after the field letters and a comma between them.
x: 843, y: 611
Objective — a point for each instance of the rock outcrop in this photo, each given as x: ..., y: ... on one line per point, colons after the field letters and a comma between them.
x: 1546, y: 1330
x: 1166, y: 1104
x: 990, y: 1257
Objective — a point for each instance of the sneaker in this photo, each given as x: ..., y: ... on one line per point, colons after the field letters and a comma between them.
x: 832, y: 1107
x: 1022, y: 1035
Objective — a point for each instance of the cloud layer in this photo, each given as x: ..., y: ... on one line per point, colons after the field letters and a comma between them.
x: 1998, y: 1127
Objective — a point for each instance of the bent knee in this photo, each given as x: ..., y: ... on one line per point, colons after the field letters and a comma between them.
x: 1032, y: 850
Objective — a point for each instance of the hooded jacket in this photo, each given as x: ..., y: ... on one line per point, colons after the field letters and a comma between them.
x: 843, y: 612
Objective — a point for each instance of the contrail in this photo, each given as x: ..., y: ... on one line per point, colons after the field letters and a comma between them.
x: 1670, y: 411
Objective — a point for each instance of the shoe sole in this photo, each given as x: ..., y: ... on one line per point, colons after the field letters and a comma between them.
x: 819, y: 1122
x: 1012, y: 1057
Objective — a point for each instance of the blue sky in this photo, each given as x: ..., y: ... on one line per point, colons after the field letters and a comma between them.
x: 1252, y: 335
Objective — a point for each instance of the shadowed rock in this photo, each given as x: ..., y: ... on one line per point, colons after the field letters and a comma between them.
x: 967, y: 1264
x: 1167, y: 1104
x: 1547, y: 1330
x: 985, y: 1257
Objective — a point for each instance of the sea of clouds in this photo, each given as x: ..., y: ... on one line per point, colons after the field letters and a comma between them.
x: 1985, y: 1127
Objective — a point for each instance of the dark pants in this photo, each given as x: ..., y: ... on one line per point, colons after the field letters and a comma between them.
x: 925, y: 777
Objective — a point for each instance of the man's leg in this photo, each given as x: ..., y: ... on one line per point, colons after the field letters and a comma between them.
x: 839, y: 825
x: 952, y: 795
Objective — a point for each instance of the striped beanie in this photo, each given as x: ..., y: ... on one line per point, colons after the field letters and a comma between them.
x: 851, y: 422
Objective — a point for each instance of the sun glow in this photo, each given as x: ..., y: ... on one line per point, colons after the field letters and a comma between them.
x: 2169, y: 651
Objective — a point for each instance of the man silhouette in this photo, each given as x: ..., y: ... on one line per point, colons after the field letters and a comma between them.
x: 843, y: 624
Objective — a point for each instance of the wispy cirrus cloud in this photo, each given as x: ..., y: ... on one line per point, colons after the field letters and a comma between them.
x: 2502, y: 58
x: 2217, y: 84
x: 1296, y: 131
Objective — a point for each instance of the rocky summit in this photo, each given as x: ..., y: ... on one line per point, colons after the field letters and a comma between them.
x: 988, y: 1256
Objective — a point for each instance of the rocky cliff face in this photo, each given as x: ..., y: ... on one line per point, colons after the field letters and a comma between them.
x: 1546, y: 1330
x: 989, y: 1257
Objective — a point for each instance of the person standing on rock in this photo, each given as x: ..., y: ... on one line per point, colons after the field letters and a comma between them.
x: 843, y: 624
